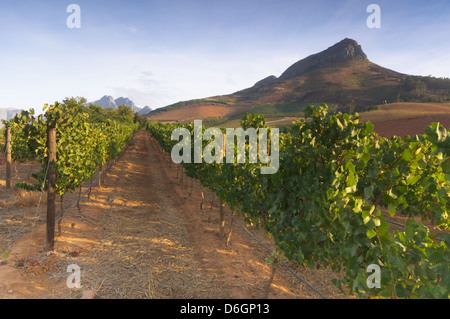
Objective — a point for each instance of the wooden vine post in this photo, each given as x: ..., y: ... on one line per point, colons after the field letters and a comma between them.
x: 182, y: 176
x: 8, y: 158
x: 51, y: 189
x: 222, y: 219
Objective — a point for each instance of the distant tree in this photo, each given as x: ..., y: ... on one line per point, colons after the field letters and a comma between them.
x: 111, y: 113
x: 96, y: 113
x: 74, y: 102
x: 138, y: 118
x: 125, y: 113
x: 414, y: 85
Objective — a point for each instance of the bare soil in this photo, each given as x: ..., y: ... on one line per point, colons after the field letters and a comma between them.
x: 142, y: 234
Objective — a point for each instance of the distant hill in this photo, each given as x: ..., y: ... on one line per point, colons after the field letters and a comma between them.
x: 108, y: 101
x: 145, y: 110
x: 7, y: 114
x: 341, y: 75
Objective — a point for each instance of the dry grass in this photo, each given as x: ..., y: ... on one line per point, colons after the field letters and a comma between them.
x: 18, y: 209
x: 124, y: 267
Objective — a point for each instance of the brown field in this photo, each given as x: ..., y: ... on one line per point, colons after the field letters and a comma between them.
x: 399, y: 119
x: 403, y: 119
x: 391, y: 119
x: 410, y: 127
x: 388, y: 128
x: 193, y: 112
x: 405, y: 110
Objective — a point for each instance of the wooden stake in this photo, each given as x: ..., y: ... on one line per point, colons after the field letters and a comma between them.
x: 182, y: 176
x: 100, y: 177
x: 231, y: 229
x: 222, y: 219
x: 192, y: 187
x: 61, y: 212
x: 51, y: 190
x: 203, y: 199
x: 8, y: 158
x: 90, y: 188
x: 78, y: 201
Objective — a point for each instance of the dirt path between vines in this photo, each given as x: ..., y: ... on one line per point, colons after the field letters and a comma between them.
x: 143, y: 235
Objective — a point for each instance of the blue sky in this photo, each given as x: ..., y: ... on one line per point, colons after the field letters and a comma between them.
x: 161, y: 52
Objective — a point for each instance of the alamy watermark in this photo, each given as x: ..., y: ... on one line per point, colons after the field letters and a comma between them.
x: 374, y: 20
x: 373, y: 280
x: 217, y: 150
x: 74, y: 19
x: 74, y: 279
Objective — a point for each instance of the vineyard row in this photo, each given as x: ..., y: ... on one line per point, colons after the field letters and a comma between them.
x: 70, y: 147
x: 325, y: 207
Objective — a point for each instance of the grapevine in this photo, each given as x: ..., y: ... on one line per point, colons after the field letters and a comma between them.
x: 83, y: 146
x: 327, y: 205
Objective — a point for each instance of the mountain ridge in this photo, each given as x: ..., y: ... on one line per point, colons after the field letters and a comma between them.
x: 345, y: 50
x: 341, y: 75
x: 108, y: 101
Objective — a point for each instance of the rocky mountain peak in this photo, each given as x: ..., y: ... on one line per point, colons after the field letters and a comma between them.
x: 345, y: 50
x: 109, y: 101
x: 342, y: 51
x: 106, y: 101
x: 146, y: 109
